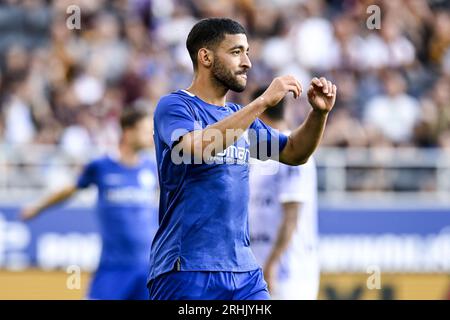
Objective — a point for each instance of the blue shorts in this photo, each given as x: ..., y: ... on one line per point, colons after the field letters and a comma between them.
x: 119, y: 283
x: 209, y: 285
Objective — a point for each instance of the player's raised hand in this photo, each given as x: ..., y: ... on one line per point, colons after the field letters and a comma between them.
x: 279, y: 88
x: 322, y: 94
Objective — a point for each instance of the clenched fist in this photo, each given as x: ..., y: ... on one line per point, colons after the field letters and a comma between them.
x: 322, y: 94
x: 279, y: 88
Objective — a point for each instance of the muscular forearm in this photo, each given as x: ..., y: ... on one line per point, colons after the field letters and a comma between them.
x: 56, y: 198
x: 219, y: 136
x: 222, y: 134
x: 304, y: 140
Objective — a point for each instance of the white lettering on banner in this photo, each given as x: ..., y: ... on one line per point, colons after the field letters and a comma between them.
x: 14, y: 239
x: 390, y: 252
x: 337, y: 252
x: 60, y: 250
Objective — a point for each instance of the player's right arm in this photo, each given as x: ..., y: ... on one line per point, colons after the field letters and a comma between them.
x: 55, y: 198
x: 232, y: 127
x: 86, y: 178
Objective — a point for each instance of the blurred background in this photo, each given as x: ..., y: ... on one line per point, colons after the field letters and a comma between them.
x: 384, y: 163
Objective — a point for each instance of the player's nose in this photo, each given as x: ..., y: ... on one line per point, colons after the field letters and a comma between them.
x: 245, y: 62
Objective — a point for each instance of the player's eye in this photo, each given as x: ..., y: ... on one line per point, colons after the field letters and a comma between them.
x: 235, y: 53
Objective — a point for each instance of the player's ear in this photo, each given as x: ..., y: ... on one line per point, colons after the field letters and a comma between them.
x: 205, y: 57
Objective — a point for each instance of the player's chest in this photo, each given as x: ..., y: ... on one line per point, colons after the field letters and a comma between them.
x: 143, y: 179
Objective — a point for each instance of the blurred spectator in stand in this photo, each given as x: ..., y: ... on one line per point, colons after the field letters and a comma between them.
x: 67, y: 87
x: 435, y: 118
x: 393, y: 113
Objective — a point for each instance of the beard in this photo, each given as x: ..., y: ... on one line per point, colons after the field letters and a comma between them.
x: 226, y: 78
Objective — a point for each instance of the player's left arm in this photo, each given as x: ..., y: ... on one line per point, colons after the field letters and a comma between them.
x: 304, y: 140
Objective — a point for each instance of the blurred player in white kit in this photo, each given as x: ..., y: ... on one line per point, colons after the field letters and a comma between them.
x: 283, y: 222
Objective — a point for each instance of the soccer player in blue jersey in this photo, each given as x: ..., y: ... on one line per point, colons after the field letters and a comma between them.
x: 126, y: 210
x: 202, y: 248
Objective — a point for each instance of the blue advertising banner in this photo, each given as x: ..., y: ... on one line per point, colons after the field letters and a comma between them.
x: 351, y: 239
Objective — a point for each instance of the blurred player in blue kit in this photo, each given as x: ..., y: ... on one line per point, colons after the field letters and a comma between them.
x: 127, y: 214
x: 203, y: 144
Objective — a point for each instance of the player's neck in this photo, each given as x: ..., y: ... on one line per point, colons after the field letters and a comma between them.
x: 127, y: 155
x: 206, y: 89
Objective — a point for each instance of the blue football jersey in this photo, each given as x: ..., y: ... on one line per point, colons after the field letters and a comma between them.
x: 203, y: 206
x: 127, y: 211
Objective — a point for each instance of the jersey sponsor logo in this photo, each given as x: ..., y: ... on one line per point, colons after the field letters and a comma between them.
x: 263, y: 146
x: 232, y: 155
x: 113, y: 179
x: 128, y: 195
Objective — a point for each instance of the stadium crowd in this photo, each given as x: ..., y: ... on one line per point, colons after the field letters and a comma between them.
x: 66, y: 87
